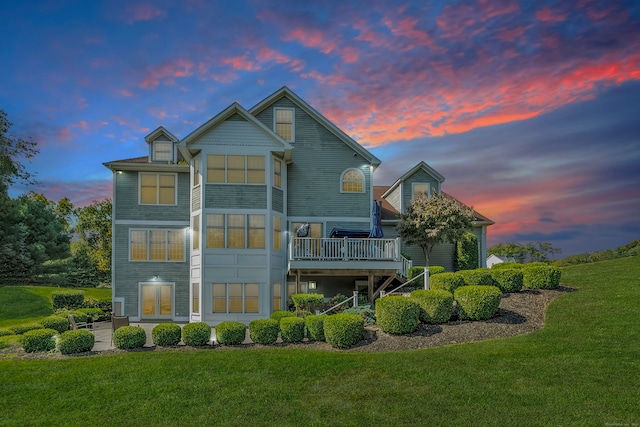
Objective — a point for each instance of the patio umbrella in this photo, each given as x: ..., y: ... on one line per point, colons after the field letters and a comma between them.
x: 376, y: 229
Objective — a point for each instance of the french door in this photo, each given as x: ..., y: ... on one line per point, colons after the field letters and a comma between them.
x: 157, y: 301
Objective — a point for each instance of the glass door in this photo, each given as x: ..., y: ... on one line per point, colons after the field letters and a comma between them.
x: 156, y: 301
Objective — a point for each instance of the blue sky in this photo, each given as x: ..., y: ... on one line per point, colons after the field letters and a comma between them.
x: 528, y: 108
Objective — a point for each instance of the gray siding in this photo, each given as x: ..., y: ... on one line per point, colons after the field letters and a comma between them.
x: 226, y: 196
x: 277, y: 200
x: 319, y: 159
x: 127, y: 207
x: 442, y: 255
x: 394, y: 198
x: 419, y: 176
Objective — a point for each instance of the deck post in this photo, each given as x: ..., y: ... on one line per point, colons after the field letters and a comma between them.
x: 355, y: 298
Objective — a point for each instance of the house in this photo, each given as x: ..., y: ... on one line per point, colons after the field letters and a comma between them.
x: 205, y: 227
x: 495, y: 259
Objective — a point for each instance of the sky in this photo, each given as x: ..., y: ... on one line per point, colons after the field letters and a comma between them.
x: 529, y: 109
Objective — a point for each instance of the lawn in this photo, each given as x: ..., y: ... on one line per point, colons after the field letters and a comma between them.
x: 581, y: 369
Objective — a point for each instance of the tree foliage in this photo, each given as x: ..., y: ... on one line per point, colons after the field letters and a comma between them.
x: 528, y: 252
x: 13, y: 152
x: 93, y: 229
x: 433, y: 220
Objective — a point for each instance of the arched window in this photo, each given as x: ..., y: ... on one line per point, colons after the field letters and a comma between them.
x: 352, y: 181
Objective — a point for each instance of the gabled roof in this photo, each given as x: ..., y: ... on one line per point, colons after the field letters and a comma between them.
x: 422, y: 165
x: 160, y: 131
x: 286, y: 92
x: 234, y: 108
x: 389, y: 213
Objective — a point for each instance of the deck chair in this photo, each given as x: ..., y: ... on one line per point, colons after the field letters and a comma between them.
x: 116, y: 322
x: 78, y: 325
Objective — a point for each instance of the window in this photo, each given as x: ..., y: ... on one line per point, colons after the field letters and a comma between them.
x: 277, y: 173
x: 277, y: 233
x: 420, y: 188
x: 157, y: 245
x: 195, y: 298
x: 196, y: 171
x: 157, y: 189
x: 352, y: 181
x: 162, y: 151
x: 277, y: 296
x: 195, y: 236
x: 235, y: 298
x: 235, y: 169
x: 284, y: 123
x: 236, y: 231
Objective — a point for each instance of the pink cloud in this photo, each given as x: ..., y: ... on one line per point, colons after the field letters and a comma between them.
x: 166, y: 72
x: 549, y: 15
x: 143, y: 12
x: 241, y: 62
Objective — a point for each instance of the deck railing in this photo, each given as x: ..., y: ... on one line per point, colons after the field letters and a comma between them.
x: 346, y: 249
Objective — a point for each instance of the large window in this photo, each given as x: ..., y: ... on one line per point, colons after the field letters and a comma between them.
x: 157, y: 245
x: 157, y: 188
x: 236, y: 231
x: 235, y: 298
x: 235, y: 169
x: 284, y: 123
x: 352, y: 181
x: 162, y: 151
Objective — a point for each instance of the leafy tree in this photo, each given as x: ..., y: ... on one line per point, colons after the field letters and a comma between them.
x: 93, y: 230
x: 467, y: 252
x: 13, y: 151
x: 509, y: 249
x: 529, y: 252
x: 433, y: 220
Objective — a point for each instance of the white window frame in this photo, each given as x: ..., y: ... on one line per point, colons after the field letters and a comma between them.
x: 413, y: 189
x: 154, y: 151
x: 293, y: 122
x: 225, y: 227
x: 244, y: 297
x: 361, y: 176
x: 166, y: 243
x: 158, y: 174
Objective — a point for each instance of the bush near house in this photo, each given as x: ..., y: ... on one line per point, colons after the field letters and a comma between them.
x: 73, y: 342
x: 446, y: 281
x: 166, y: 334
x: 196, y: 334
x: 292, y: 329
x: 477, y: 277
x: 128, y: 337
x: 541, y: 277
x: 418, y: 270
x: 477, y: 302
x: 309, y: 302
x: 280, y: 314
x: 397, y: 315
x: 67, y: 300
x: 315, y: 327
x: 508, y: 280
x: 507, y: 265
x: 38, y: 340
x: 95, y: 314
x: 231, y: 332
x: 264, y: 331
x: 59, y: 323
x: 466, y: 257
x: 436, y: 305
x: 22, y: 329
x: 343, y: 330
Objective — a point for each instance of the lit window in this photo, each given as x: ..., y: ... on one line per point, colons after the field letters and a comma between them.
x: 420, y: 188
x: 236, y: 298
x: 255, y: 169
x: 195, y: 298
x: 241, y: 231
x: 196, y: 171
x: 277, y: 173
x: 277, y: 296
x: 157, y: 245
x: 215, y: 168
x: 157, y: 189
x: 284, y: 123
x: 162, y: 151
x: 195, y: 235
x: 235, y: 169
x: 215, y: 231
x: 235, y: 231
x: 277, y: 233
x: 256, y: 231
x: 352, y: 181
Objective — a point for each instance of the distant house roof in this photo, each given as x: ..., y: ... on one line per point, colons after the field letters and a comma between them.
x: 389, y: 213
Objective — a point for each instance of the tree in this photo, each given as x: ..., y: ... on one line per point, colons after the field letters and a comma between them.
x: 13, y: 151
x: 93, y: 229
x: 433, y: 220
x: 467, y: 252
x: 529, y: 252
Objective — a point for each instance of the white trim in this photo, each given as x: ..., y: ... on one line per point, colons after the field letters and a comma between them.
x: 413, y: 189
x: 175, y: 186
x: 293, y: 122
x: 157, y: 283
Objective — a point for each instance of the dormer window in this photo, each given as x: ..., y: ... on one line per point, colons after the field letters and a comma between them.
x: 283, y: 118
x: 420, y: 188
x: 162, y: 151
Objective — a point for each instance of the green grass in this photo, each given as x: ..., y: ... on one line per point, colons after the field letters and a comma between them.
x: 581, y: 369
x: 30, y: 304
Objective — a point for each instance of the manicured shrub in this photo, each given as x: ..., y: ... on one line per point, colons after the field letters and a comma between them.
x: 69, y: 300
x: 292, y: 329
x: 231, y: 333
x: 128, y: 337
x: 365, y: 311
x: 104, y: 304
x: 466, y: 257
x: 79, y: 316
x: 418, y: 270
x: 95, y: 314
x: 264, y: 331
x: 58, y: 323
x: 166, y: 334
x: 477, y: 277
x: 507, y: 265
x: 279, y: 314
x: 72, y: 342
x: 397, y: 315
x: 436, y: 305
x: 37, y: 340
x: 541, y: 277
x: 343, y: 330
x: 304, y: 313
x: 5, y: 333
x: 508, y: 280
x: 446, y: 281
x: 21, y: 329
x: 196, y: 334
x: 309, y: 302
x: 315, y: 327
x: 477, y: 302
